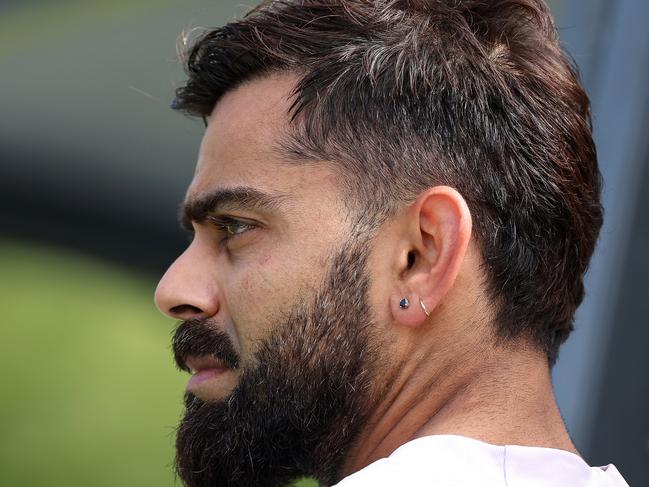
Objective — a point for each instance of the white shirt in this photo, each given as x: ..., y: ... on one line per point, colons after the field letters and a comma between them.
x: 456, y: 461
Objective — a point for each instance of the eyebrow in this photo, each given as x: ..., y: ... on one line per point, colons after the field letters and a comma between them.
x: 197, y: 209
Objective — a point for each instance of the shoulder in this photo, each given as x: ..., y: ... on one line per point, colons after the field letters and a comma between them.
x: 455, y: 461
x: 437, y: 461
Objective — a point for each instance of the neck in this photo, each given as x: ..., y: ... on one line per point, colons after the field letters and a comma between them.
x: 501, y: 397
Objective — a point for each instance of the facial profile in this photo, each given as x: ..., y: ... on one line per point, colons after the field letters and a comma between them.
x: 277, y: 328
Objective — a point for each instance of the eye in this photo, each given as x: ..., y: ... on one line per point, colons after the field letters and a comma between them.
x: 230, y: 227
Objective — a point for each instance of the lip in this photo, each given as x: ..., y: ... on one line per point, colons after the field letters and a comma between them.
x: 203, y: 369
x: 201, y: 376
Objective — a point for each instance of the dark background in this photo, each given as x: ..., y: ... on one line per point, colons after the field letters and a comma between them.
x: 92, y: 160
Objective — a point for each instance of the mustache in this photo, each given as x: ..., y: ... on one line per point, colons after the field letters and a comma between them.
x: 199, y: 337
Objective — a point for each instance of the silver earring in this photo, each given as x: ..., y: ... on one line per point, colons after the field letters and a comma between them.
x: 404, y: 303
x: 423, y: 307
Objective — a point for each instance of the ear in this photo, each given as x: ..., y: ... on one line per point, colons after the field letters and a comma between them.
x: 438, y: 230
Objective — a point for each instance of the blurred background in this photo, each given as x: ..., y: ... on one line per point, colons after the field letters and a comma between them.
x: 93, y: 165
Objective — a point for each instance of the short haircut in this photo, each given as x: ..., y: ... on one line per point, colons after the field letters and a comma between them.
x: 408, y: 94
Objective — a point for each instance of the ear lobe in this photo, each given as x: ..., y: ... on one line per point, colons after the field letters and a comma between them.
x: 441, y: 233
x: 411, y: 315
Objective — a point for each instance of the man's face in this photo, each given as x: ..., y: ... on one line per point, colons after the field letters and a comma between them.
x: 269, y: 239
x: 273, y: 292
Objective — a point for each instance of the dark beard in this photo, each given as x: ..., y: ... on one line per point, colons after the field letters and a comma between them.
x: 298, y: 409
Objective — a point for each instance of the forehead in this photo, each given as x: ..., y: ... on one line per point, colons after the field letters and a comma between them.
x: 241, y: 142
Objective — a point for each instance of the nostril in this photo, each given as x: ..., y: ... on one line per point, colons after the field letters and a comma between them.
x: 185, y: 309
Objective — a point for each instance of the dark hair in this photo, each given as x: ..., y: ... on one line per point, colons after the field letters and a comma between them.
x: 408, y: 94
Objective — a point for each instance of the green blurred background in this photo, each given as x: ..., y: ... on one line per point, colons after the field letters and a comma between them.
x: 89, y: 393
x: 93, y: 164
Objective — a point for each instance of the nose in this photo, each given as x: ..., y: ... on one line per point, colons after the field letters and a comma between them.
x: 188, y: 290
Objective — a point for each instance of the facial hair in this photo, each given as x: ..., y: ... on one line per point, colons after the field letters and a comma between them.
x: 297, y: 410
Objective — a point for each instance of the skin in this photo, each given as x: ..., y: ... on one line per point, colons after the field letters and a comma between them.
x: 447, y: 372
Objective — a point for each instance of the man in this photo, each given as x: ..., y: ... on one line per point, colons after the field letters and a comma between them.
x: 393, y: 207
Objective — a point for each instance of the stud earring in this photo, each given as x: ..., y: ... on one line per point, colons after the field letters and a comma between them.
x: 424, y: 307
x: 404, y: 303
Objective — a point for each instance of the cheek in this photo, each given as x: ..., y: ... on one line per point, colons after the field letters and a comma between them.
x: 260, y: 278
x: 274, y: 281
x: 257, y: 295
x: 267, y: 289
x: 268, y: 283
